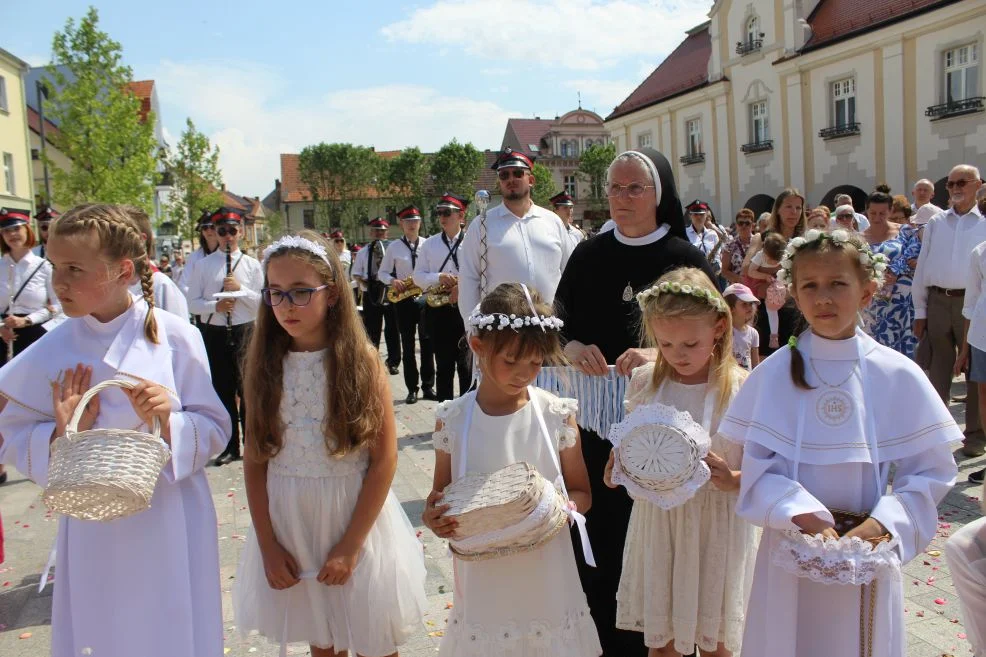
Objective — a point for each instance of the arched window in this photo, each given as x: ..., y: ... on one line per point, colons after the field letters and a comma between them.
x: 564, y: 148
x: 753, y: 29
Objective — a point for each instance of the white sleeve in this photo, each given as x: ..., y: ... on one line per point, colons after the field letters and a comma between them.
x: 910, y: 512
x: 387, y: 266
x: 469, y: 270
x: 252, y: 285
x: 567, y: 246
x: 26, y: 441
x: 919, y: 290
x: 973, y: 283
x: 202, y: 427
x: 198, y: 302
x: 168, y: 296
x: 768, y: 497
x: 423, y: 276
x: 42, y: 314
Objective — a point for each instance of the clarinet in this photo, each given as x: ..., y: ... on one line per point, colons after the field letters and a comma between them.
x: 10, y: 309
x: 229, y: 313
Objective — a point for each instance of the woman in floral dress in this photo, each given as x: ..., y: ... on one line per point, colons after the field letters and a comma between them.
x: 890, y: 315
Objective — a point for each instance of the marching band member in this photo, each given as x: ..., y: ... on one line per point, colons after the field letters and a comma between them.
x: 345, y: 257
x: 226, y: 322
x: 438, y: 264
x: 564, y: 206
x: 397, y: 266
x: 44, y: 217
x: 377, y: 312
x: 208, y: 242
x: 518, y: 242
x: 167, y: 295
x: 26, y: 294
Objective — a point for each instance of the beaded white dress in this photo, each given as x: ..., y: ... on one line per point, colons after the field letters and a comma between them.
x: 312, y: 497
x: 687, y: 570
x: 529, y: 604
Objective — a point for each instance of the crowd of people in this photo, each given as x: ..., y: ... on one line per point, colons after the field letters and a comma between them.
x: 813, y: 348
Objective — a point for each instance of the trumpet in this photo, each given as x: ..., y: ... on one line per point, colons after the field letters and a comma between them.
x: 437, y: 296
x: 411, y: 290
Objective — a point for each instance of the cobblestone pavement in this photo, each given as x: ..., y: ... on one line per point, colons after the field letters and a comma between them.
x: 933, y: 622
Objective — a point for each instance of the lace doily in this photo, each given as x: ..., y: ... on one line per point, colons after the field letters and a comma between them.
x: 684, y: 469
x: 847, y: 560
x: 573, y: 635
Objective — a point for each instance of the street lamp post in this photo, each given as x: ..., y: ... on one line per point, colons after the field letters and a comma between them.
x: 43, y: 93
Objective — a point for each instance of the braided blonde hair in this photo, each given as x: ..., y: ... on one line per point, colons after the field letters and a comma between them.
x: 118, y: 228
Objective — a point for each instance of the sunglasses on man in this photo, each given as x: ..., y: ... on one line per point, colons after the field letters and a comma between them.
x: 445, y: 212
x: 505, y: 174
x: 952, y: 184
x: 744, y: 223
x: 223, y: 231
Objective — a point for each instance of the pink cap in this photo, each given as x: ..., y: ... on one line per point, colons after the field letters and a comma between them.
x: 741, y: 292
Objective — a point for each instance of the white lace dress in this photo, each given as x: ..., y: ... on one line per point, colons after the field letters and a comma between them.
x: 312, y: 497
x: 687, y: 570
x: 529, y: 604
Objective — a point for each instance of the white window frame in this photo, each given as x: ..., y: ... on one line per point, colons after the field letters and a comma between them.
x: 570, y: 182
x: 9, y: 183
x: 752, y: 29
x: 759, y: 122
x: 564, y: 148
x: 693, y: 130
x: 4, y: 106
x: 645, y: 140
x: 843, y: 92
x: 963, y: 61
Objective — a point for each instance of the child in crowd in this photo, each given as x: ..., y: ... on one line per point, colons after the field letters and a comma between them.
x: 331, y: 559
x: 529, y: 603
x: 776, y: 296
x: 743, y: 306
x: 822, y: 428
x: 686, y: 570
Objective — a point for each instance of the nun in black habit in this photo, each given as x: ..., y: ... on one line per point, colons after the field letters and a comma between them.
x: 597, y: 299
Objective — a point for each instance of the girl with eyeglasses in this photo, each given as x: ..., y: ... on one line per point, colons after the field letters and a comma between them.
x: 329, y: 540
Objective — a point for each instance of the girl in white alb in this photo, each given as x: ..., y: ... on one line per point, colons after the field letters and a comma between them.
x: 331, y: 558
x: 823, y: 427
x: 688, y: 558
x: 531, y: 603
x: 146, y: 584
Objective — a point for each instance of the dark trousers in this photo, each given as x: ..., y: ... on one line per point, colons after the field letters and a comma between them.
x: 382, y: 318
x: 607, y: 523
x: 789, y: 322
x: 451, y: 351
x: 944, y: 332
x: 408, y: 322
x: 25, y: 337
x: 227, y: 378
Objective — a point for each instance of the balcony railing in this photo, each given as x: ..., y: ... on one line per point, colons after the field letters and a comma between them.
x: 692, y: 158
x: 835, y: 132
x: 955, y: 108
x: 746, y: 47
x: 758, y: 146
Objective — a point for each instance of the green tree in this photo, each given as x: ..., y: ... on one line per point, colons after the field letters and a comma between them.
x: 113, y: 152
x: 455, y: 168
x: 196, y: 179
x: 407, y: 176
x: 544, y: 185
x: 275, y: 225
x: 593, y: 167
x: 338, y: 177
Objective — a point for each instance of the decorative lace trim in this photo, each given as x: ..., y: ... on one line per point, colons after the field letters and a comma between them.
x: 448, y: 409
x: 829, y: 561
x: 687, y: 634
x: 564, y: 409
x: 507, y: 535
x: 575, y: 636
x: 664, y: 499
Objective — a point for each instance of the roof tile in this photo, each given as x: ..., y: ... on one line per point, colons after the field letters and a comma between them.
x: 833, y: 20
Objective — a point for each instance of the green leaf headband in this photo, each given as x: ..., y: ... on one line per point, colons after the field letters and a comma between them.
x: 682, y: 289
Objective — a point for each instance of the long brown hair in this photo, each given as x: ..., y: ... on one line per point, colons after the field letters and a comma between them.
x: 117, y: 227
x: 354, y: 410
x: 29, y: 242
x: 724, y: 372
x: 774, y: 225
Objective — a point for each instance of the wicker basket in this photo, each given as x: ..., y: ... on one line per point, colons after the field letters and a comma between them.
x: 659, y: 457
x: 104, y: 474
x: 506, y: 512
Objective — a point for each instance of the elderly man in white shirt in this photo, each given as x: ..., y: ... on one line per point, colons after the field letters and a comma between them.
x: 922, y: 193
x: 517, y: 242
x: 938, y: 290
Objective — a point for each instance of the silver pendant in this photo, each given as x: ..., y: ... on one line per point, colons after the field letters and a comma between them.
x: 628, y: 293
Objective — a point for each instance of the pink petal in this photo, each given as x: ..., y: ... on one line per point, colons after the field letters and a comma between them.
x: 961, y: 635
x: 940, y: 601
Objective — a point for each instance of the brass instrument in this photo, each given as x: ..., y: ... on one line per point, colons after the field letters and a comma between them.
x: 411, y: 290
x: 437, y: 296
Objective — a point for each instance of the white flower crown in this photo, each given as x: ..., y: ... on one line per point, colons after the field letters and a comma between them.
x: 296, y: 242
x: 875, y: 264
x: 501, y: 321
x: 682, y: 289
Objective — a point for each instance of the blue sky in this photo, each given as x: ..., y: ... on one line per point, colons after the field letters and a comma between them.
x: 268, y: 78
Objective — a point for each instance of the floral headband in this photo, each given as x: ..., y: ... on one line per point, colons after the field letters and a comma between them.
x: 500, y: 321
x: 682, y: 289
x: 296, y: 242
x: 875, y: 264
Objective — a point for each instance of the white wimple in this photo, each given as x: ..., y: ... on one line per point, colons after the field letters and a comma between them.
x: 296, y: 242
